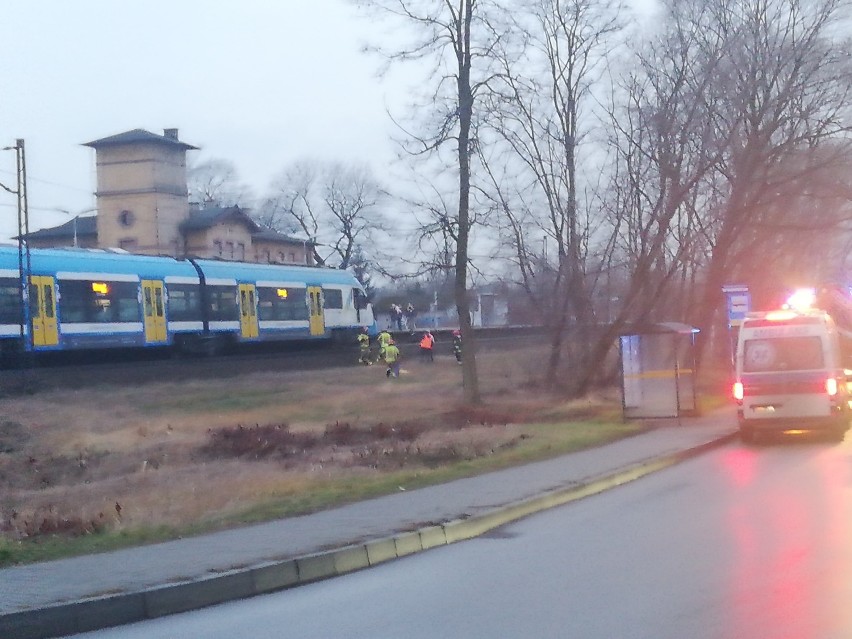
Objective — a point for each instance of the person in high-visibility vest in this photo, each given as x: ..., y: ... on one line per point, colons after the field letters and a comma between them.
x: 392, y: 357
x: 364, y: 347
x: 384, y: 339
x: 427, y: 344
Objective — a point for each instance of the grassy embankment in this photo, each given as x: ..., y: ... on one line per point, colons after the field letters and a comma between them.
x: 98, y: 469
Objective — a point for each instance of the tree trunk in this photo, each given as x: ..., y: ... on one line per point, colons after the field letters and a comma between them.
x: 470, y: 377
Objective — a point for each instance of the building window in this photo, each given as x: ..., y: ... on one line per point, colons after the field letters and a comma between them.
x: 241, y: 251
x: 293, y: 257
x: 217, y: 246
x: 126, y: 218
x: 268, y: 258
x: 229, y: 248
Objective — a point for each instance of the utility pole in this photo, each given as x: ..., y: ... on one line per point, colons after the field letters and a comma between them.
x: 24, y: 261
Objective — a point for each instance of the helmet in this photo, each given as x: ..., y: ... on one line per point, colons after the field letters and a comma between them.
x: 456, y: 333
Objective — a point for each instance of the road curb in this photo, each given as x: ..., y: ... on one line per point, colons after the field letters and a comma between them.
x: 125, y: 608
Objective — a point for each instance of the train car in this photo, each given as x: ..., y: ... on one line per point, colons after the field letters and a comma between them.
x: 96, y: 298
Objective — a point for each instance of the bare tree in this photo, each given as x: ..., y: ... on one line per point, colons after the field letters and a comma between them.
x: 339, y: 208
x: 782, y: 93
x: 734, y: 110
x: 216, y: 182
x: 662, y: 148
x: 547, y: 72
x: 456, y: 37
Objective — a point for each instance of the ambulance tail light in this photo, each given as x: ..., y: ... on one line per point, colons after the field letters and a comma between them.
x: 831, y: 387
x: 737, y: 391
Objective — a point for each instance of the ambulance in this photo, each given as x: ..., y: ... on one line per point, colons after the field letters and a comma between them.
x: 790, y: 376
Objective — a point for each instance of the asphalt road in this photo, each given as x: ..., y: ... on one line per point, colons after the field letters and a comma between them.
x: 741, y: 542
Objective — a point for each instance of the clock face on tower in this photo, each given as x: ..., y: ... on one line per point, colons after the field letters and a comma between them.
x: 126, y: 218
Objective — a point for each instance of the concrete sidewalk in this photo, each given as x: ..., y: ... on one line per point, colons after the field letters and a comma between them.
x: 85, y: 593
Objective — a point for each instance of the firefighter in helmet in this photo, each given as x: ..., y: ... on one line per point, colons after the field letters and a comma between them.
x: 457, y: 346
x: 364, y: 347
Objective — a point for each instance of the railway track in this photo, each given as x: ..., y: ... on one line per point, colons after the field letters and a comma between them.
x: 121, y: 368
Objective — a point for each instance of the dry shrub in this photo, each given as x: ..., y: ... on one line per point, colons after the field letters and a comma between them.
x: 342, y: 445
x: 483, y: 416
x: 345, y: 434
x: 258, y: 442
x: 40, y: 521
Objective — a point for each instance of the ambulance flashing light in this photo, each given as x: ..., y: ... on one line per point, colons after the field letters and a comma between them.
x: 802, y: 299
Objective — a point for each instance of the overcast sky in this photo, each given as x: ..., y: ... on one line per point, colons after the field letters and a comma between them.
x: 257, y: 82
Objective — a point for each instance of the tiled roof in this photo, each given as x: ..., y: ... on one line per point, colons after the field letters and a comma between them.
x: 85, y: 226
x: 137, y: 136
x: 274, y: 236
x: 198, y: 220
x: 205, y: 218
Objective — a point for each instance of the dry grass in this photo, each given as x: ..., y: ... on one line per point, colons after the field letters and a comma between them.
x: 201, y: 454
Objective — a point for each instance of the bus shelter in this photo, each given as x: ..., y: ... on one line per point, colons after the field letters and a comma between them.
x: 658, y: 370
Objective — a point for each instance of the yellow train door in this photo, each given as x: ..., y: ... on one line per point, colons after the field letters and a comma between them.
x: 248, y: 311
x: 43, y: 310
x: 315, y: 307
x: 155, y: 314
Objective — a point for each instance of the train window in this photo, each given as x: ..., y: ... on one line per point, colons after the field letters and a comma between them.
x: 49, y: 308
x: 222, y: 303
x: 82, y: 303
x: 149, y: 303
x: 333, y: 298
x: 273, y: 305
x: 10, y: 301
x: 34, y: 309
x: 184, y: 302
x: 360, y: 298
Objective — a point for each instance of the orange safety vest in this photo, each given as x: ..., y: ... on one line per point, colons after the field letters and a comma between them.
x: 427, y: 341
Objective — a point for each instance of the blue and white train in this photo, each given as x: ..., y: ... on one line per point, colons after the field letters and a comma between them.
x: 92, y: 299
